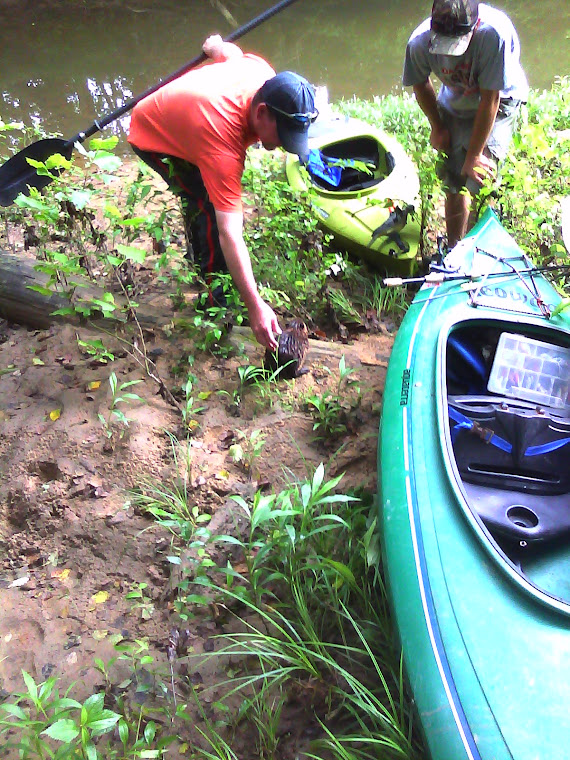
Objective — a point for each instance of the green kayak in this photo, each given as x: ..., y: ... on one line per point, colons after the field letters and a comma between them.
x: 474, y: 473
x: 365, y: 191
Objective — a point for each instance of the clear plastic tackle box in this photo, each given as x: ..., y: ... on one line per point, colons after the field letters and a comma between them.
x: 531, y: 370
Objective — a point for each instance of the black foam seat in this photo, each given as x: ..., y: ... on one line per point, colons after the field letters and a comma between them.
x: 514, y: 461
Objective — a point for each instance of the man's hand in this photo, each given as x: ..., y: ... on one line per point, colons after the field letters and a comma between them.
x: 440, y: 139
x: 212, y: 46
x: 264, y: 324
x: 479, y: 168
x: 219, y: 50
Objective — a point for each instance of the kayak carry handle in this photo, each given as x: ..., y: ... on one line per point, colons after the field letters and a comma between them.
x: 433, y: 278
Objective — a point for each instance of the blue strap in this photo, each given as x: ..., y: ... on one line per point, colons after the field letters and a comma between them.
x: 546, y: 448
x: 464, y: 423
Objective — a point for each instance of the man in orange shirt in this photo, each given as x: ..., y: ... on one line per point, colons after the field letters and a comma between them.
x: 194, y: 132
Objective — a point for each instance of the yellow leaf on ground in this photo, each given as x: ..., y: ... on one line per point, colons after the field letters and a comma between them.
x: 93, y: 385
x: 99, y: 635
x: 100, y: 597
x: 61, y: 574
x: 55, y: 414
x: 38, y: 362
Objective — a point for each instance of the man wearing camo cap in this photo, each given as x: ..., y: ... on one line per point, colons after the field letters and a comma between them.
x: 475, y: 51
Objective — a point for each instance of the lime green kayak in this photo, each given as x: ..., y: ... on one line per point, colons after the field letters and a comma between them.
x: 371, y: 206
x: 474, y: 474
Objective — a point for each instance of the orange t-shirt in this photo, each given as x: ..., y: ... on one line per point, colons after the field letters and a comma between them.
x: 201, y: 117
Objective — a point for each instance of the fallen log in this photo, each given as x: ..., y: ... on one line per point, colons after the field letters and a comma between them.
x: 22, y: 305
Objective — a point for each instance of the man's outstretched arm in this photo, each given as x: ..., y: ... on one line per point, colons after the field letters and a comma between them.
x: 262, y: 318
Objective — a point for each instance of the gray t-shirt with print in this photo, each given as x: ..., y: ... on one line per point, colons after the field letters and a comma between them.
x: 491, y: 62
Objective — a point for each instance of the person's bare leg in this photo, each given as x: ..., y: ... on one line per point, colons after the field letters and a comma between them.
x: 457, y: 206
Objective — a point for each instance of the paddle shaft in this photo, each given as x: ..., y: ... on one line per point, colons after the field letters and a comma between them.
x: 100, y: 124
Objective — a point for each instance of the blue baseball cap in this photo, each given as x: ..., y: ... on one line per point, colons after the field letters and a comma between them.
x: 291, y: 99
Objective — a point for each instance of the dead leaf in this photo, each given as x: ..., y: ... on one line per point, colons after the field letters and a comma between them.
x: 93, y: 385
x: 100, y: 597
x: 61, y: 574
x: 55, y: 414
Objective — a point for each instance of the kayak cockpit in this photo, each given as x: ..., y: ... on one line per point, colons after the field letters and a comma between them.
x: 508, y: 404
x: 350, y: 165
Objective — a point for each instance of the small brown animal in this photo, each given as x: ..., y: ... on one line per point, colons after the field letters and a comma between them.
x: 290, y: 355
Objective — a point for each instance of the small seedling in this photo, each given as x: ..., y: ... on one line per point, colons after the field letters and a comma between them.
x: 330, y: 410
x: 141, y: 603
x: 248, y: 449
x: 189, y: 407
x: 118, y: 396
x: 96, y: 350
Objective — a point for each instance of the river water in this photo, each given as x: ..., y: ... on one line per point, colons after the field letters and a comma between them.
x: 64, y: 67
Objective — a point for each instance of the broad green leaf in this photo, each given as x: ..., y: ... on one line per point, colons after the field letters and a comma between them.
x: 30, y: 685
x: 123, y: 731
x: 14, y: 710
x: 106, y: 306
x: 132, y: 253
x: 104, y: 143
x: 104, y: 723
x: 33, y: 203
x: 135, y: 221
x: 93, y: 705
x: 107, y: 162
x: 64, y: 730
x: 149, y: 732
x: 42, y: 291
x: 57, y: 161
x: 80, y: 198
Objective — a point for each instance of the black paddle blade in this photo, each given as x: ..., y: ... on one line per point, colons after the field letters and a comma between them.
x: 17, y: 176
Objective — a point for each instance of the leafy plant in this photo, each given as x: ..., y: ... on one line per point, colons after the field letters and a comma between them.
x: 190, y: 408
x: 172, y: 503
x: 312, y: 614
x: 140, y: 602
x: 39, y: 717
x: 119, y: 396
x: 96, y: 350
x: 330, y: 409
x: 247, y: 449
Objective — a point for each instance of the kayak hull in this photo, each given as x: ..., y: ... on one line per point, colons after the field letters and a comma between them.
x: 363, y: 201
x: 485, y: 638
